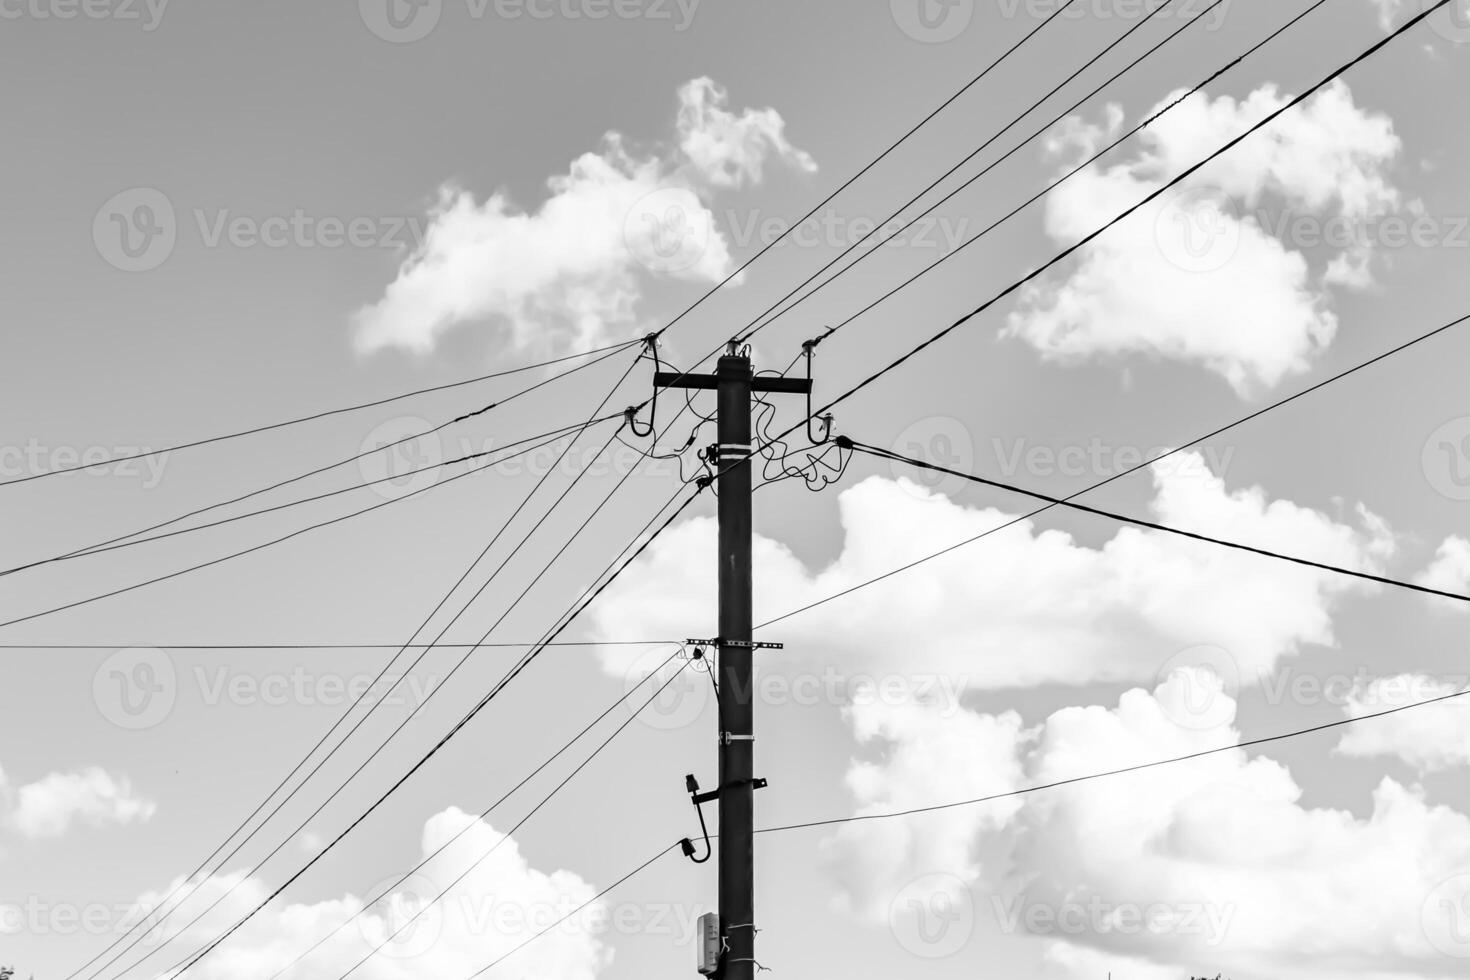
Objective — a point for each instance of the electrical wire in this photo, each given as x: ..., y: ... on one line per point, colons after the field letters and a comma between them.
x: 1153, y: 525
x: 1131, y: 470
x: 319, y: 415
x: 372, y: 707
x: 770, y: 315
x: 322, y: 469
x: 274, y: 541
x: 470, y: 716
x: 1237, y: 747
x: 504, y: 797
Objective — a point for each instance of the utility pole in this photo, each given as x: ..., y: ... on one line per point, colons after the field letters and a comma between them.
x: 733, y: 382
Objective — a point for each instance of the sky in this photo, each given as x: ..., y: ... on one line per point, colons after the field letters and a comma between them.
x: 223, y: 216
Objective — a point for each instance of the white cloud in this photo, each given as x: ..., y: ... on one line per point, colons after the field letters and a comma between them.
x: 1192, y: 278
x: 1389, y: 10
x: 1283, y: 889
x: 570, y: 274
x: 48, y: 807
x: 1430, y: 738
x: 1449, y: 572
x: 1080, y: 614
x: 497, y: 907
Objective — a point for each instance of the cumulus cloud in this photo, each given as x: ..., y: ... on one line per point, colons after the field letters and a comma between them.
x: 1026, y: 606
x: 1449, y: 572
x: 493, y: 910
x: 1205, y: 274
x: 49, y: 807
x: 1279, y: 888
x: 1431, y: 738
x: 571, y: 273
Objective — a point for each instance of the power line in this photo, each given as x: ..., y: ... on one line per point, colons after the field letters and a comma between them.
x: 574, y: 912
x: 1151, y: 525
x: 507, y: 795
x: 1092, y: 236
x: 522, y: 822
x: 1239, y: 746
x: 1127, y: 472
x: 319, y: 415
x: 331, y: 466
x: 275, y: 541
x: 327, y: 646
x: 126, y: 543
x: 1029, y: 790
x: 505, y: 525
x: 480, y: 706
x: 765, y: 319
x: 867, y: 168
x: 1076, y: 170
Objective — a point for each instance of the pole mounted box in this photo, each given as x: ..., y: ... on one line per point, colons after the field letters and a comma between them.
x: 709, y: 944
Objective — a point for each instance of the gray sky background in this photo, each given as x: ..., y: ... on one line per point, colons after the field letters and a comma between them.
x: 265, y: 110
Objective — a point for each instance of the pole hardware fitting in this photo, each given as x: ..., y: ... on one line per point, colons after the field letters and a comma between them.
x: 726, y: 738
x: 741, y: 644
x: 714, y: 794
x: 686, y: 845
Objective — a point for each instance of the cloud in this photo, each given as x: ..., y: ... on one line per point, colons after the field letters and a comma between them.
x: 570, y: 275
x: 1025, y: 607
x: 493, y: 910
x: 1430, y: 739
x: 48, y: 807
x: 1388, y: 11
x: 1195, y: 276
x: 1449, y: 572
x: 1280, y: 888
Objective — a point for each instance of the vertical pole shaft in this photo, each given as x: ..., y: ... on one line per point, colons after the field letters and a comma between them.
x: 737, y: 797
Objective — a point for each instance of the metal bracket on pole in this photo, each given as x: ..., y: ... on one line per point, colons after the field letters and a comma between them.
x: 742, y: 644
